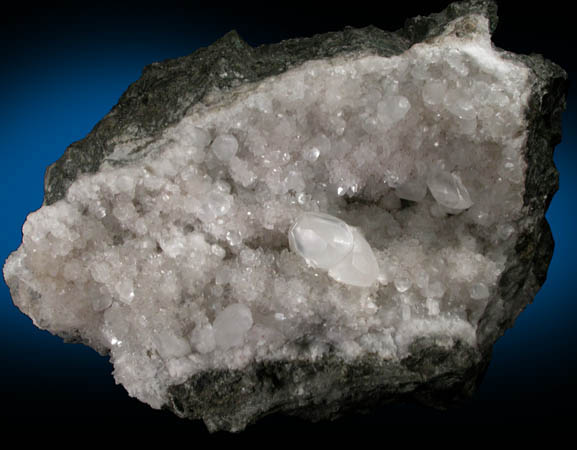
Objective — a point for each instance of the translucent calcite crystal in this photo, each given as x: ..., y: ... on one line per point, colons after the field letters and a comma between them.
x: 322, y: 240
x: 448, y: 189
x: 326, y: 242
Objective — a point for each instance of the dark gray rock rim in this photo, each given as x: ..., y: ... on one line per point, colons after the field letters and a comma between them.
x: 232, y: 399
x: 167, y: 90
x: 432, y: 375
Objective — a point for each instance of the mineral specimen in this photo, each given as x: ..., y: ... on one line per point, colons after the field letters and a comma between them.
x: 308, y: 227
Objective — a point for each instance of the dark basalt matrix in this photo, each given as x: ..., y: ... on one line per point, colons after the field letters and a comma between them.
x: 312, y: 227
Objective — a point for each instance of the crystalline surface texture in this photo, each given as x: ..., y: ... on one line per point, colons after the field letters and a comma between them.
x: 171, y: 254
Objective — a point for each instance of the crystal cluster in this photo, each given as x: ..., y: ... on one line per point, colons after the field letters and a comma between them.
x: 359, y: 202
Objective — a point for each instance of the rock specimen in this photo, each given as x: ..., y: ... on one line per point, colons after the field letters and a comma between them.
x: 308, y: 227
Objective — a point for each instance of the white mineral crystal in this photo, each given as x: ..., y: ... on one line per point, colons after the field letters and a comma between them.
x: 322, y: 240
x: 224, y: 146
x: 358, y: 268
x: 448, y: 189
x: 326, y: 242
x: 414, y: 190
x: 231, y: 325
x: 179, y: 262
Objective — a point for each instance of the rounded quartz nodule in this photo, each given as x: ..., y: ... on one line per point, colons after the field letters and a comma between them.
x: 328, y: 243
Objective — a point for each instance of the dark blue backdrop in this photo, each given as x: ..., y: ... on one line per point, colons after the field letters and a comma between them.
x: 63, y: 69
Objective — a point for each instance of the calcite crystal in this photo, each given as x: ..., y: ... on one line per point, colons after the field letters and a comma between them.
x: 326, y: 242
x: 308, y: 227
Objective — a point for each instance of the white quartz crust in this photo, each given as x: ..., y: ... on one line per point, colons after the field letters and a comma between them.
x: 180, y: 262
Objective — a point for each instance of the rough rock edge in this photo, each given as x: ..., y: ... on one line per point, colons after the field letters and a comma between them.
x: 433, y: 374
x: 167, y: 90
x: 231, y: 399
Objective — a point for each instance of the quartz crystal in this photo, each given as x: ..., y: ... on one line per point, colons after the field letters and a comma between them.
x: 308, y: 227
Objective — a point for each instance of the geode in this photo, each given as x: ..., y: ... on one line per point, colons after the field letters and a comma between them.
x: 310, y: 227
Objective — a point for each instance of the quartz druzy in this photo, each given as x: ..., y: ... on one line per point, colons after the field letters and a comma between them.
x: 307, y: 227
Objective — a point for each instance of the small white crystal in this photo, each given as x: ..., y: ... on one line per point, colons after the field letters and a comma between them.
x: 203, y: 339
x: 218, y: 251
x: 315, y: 147
x: 402, y: 282
x: 435, y: 289
x: 312, y: 154
x: 234, y: 237
x: 240, y: 172
x: 505, y: 231
x: 101, y: 303
x: 432, y: 306
x: 434, y: 92
x: 196, y: 137
x: 448, y: 189
x: 479, y: 291
x: 455, y: 59
x: 125, y: 290
x: 459, y: 103
x: 231, y: 325
x: 224, y: 147
x: 219, y: 203
x: 392, y: 109
x: 170, y: 345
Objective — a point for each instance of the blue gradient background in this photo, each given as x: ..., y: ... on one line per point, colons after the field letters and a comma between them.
x: 63, y: 69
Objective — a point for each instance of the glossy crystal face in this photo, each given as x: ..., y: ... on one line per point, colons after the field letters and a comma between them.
x: 328, y: 243
x: 322, y: 240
